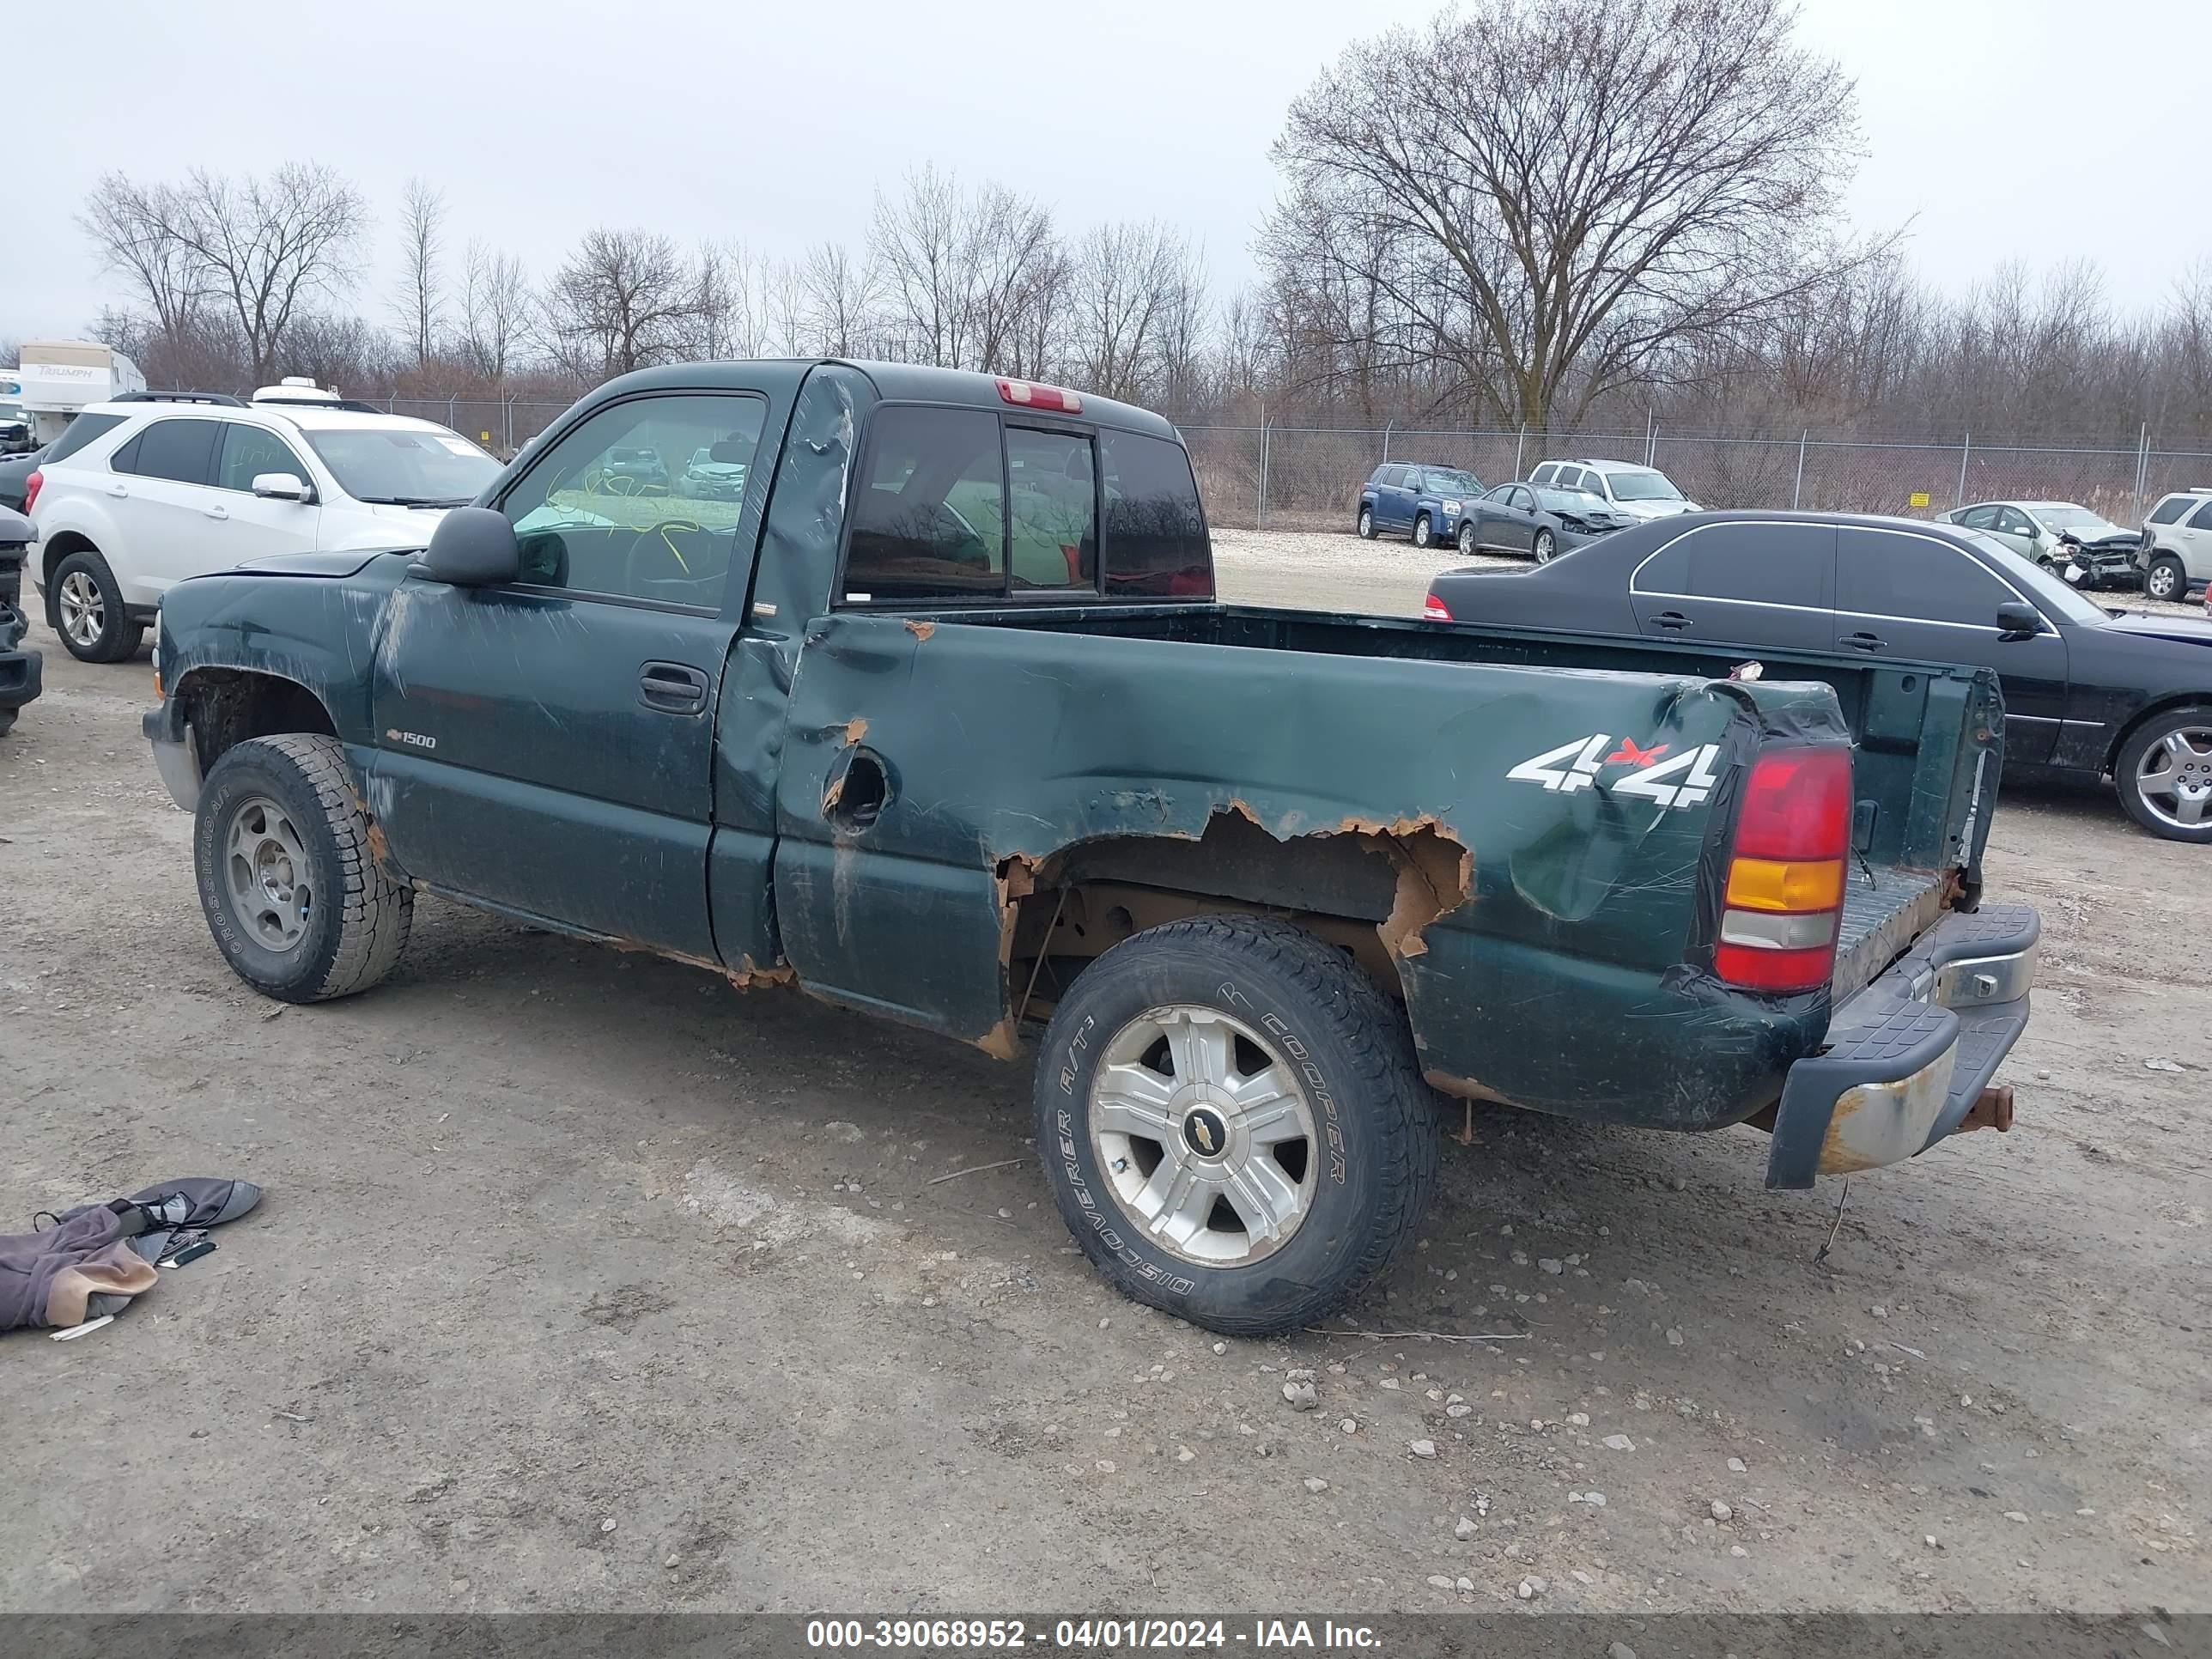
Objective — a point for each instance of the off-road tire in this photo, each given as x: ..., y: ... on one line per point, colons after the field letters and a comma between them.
x: 2168, y: 572
x: 119, y: 637
x: 1355, y: 1055
x: 1423, y: 533
x: 350, y: 944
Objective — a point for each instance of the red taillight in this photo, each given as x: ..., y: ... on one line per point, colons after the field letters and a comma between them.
x: 1435, y: 609
x: 1784, y: 894
x: 1028, y: 394
x: 32, y: 486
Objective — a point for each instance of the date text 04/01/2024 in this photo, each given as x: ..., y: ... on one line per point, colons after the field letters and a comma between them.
x: 1086, y: 1634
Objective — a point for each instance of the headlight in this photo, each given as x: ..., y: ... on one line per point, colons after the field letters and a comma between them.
x: 1453, y: 507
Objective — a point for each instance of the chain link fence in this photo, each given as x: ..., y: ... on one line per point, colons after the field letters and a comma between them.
x: 1309, y: 477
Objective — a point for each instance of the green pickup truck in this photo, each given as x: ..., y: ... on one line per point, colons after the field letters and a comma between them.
x: 938, y: 717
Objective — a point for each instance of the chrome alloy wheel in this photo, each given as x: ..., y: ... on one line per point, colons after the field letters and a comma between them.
x: 2174, y: 777
x: 1204, y: 1135
x: 84, y: 613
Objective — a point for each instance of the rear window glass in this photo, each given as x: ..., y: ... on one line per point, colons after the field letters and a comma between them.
x: 1156, y: 540
x: 929, y: 517
x: 1053, y: 503
x: 2172, y: 507
x: 182, y: 451
x: 81, y: 432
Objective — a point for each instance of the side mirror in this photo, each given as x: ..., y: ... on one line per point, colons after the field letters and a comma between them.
x: 281, y: 487
x: 2019, y: 622
x: 472, y: 547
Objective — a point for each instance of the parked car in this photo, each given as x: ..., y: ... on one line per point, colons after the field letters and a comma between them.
x: 2089, y: 692
x: 1635, y: 492
x: 2085, y: 548
x: 20, y: 664
x: 633, y: 471
x: 138, y: 494
x: 2177, y: 544
x: 1274, y: 878
x: 1425, y: 502
x: 16, y: 478
x: 708, y: 479
x: 1538, y: 519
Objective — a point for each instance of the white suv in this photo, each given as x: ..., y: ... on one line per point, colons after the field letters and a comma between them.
x: 2177, y: 545
x: 172, y: 485
x: 1638, y: 493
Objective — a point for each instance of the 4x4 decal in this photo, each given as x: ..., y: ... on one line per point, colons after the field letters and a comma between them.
x: 1679, y: 781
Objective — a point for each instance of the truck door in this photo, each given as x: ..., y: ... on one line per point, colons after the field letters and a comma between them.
x: 548, y: 745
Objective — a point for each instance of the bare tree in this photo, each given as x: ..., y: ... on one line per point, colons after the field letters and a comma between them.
x: 134, y: 229
x: 1555, y: 196
x: 838, y: 299
x: 1130, y: 297
x: 964, y: 272
x: 624, y: 299
x: 419, y: 304
x: 495, y: 307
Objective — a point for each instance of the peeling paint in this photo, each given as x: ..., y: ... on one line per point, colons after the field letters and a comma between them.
x: 854, y: 731
x: 1464, y: 1088
x: 920, y: 631
x: 749, y: 975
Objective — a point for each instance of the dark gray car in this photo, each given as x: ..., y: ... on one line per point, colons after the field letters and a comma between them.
x: 1537, y: 520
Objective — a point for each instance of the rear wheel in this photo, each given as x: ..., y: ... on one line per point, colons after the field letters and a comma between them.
x: 2166, y: 578
x: 1545, y: 545
x: 1233, y: 1123
x: 2165, y: 774
x: 1423, y: 535
x: 84, y: 605
x: 1366, y: 524
x: 291, y: 890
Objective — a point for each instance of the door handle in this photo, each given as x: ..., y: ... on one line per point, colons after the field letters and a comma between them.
x: 674, y: 688
x: 1864, y: 641
x: 218, y: 511
x: 1674, y: 619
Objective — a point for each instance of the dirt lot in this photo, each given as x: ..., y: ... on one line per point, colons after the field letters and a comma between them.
x: 586, y: 1280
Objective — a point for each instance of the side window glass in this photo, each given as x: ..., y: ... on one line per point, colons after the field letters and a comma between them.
x: 1571, y: 477
x: 2171, y: 508
x: 125, y: 457
x: 1880, y: 574
x: 251, y: 451
x: 1545, y: 474
x: 1523, y: 499
x: 182, y: 452
x: 1667, y: 571
x: 1416, y: 480
x: 2014, y: 522
x: 605, y: 511
x: 928, y: 516
x: 81, y: 431
x: 1763, y: 563
x: 2202, y: 519
x: 1155, y: 530
x: 1979, y: 518
x: 1052, y: 510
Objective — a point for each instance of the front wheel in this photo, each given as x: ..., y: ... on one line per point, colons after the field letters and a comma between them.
x: 85, y: 606
x: 1233, y: 1123
x: 291, y: 888
x: 1366, y: 524
x: 2165, y: 774
x: 1546, y: 545
x: 1467, y: 538
x: 1423, y: 535
x: 2166, y: 579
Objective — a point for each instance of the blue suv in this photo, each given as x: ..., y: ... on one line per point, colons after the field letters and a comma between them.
x: 1428, y: 504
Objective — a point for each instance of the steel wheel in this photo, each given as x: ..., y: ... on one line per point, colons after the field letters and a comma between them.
x: 84, y: 612
x: 2174, y: 777
x: 266, y: 876
x: 1204, y: 1135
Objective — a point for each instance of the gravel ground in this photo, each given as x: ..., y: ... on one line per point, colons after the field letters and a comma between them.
x: 586, y: 1280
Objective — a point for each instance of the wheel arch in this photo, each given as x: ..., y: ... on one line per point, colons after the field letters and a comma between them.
x: 2148, y: 712
x: 224, y: 706
x: 57, y: 547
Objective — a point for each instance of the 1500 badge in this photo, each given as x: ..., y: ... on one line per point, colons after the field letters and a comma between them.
x: 1655, y: 774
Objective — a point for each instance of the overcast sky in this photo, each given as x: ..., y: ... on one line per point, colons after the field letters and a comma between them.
x: 1999, y: 129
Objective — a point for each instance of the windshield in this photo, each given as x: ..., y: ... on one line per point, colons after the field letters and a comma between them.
x: 2050, y: 594
x: 2067, y: 516
x: 1450, y: 481
x: 1558, y: 500
x: 1643, y: 486
x: 410, y: 466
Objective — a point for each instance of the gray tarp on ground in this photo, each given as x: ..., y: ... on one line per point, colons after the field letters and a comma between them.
x: 64, y: 1274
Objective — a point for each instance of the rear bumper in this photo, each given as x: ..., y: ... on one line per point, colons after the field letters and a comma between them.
x: 1907, y: 1059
